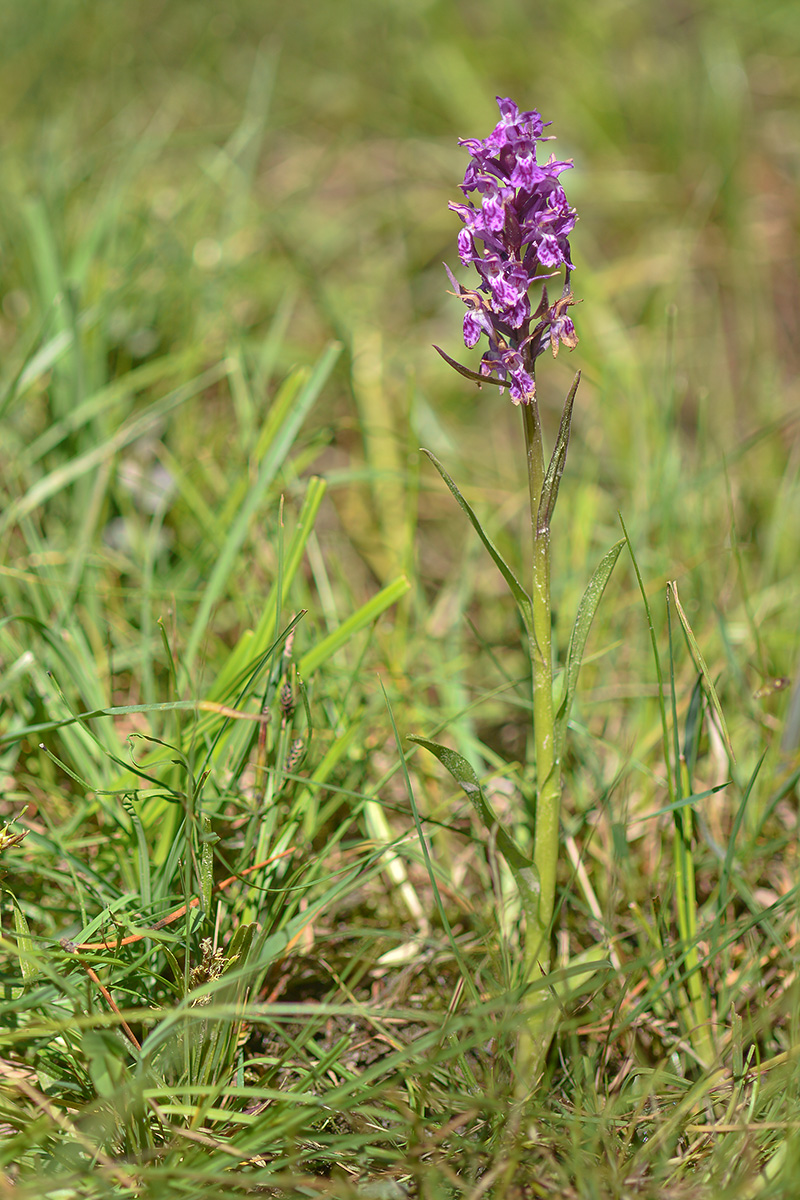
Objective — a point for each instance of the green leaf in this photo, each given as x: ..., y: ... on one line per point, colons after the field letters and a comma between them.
x: 466, y: 778
x: 240, y: 943
x: 685, y: 801
x: 580, y: 631
x: 142, y: 850
x: 176, y: 968
x: 25, y: 948
x: 105, y: 1056
x: 576, y: 976
x: 662, y: 706
x: 517, y: 590
x: 365, y: 615
x: 702, y: 668
x: 555, y: 470
x: 523, y: 870
x: 207, y: 841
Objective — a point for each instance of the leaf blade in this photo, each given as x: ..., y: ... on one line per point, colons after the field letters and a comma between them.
x: 580, y: 632
x: 517, y: 590
x: 519, y: 863
x: 702, y: 667
x: 358, y: 620
x: 467, y: 373
x: 555, y: 469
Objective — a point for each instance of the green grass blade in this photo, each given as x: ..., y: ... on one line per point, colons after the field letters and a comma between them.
x: 139, y: 425
x: 369, y: 612
x: 104, y: 401
x: 254, y: 642
x: 702, y: 668
x: 207, y: 840
x: 662, y: 703
x: 25, y: 947
x: 279, y: 446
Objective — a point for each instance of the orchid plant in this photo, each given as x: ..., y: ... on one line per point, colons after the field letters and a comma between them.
x: 515, y: 236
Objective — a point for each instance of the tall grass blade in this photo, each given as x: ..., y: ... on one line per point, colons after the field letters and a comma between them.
x: 662, y: 701
x: 281, y: 441
x: 703, y: 668
x: 363, y: 617
x: 136, y: 427
x: 253, y: 642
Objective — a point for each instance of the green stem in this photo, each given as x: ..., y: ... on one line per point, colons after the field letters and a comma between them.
x: 548, y: 770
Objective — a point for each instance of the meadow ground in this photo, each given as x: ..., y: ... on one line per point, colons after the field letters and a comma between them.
x: 255, y: 941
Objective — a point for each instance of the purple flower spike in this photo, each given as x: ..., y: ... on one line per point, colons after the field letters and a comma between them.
x: 516, y: 234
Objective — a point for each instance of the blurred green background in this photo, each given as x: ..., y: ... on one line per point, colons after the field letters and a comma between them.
x: 200, y: 162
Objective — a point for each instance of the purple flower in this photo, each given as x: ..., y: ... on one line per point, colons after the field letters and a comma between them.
x: 475, y: 323
x: 548, y: 251
x: 517, y: 237
x: 527, y: 172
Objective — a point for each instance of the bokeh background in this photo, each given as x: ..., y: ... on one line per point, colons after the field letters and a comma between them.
x: 195, y: 171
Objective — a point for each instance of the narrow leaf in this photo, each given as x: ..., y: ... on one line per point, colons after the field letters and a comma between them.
x: 103, y: 1054
x: 465, y: 371
x: 254, y: 642
x: 240, y: 943
x: 365, y: 615
x: 525, y: 874
x: 685, y: 801
x: 576, y: 976
x: 25, y: 948
x: 702, y: 668
x: 207, y: 840
x: 466, y: 778
x: 555, y: 470
x: 517, y: 590
x: 580, y: 631
x: 662, y: 706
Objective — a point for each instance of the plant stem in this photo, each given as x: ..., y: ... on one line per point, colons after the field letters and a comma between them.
x: 548, y: 770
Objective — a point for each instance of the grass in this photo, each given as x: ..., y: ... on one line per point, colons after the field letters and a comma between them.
x: 232, y: 588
